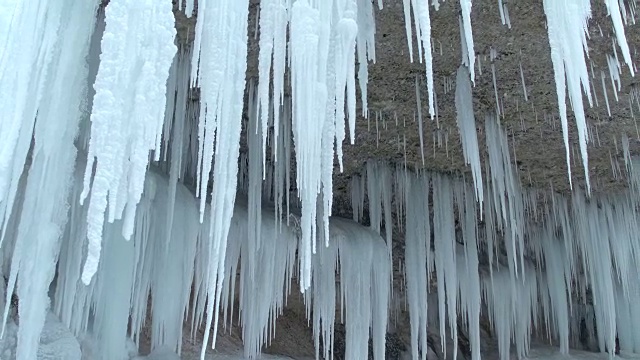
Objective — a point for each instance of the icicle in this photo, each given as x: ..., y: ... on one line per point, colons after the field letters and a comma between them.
x: 614, y: 9
x: 365, y: 49
x: 220, y: 50
x: 307, y: 91
x: 567, y: 28
x: 420, y: 130
x: 178, y: 115
x: 422, y: 23
x: 418, y: 243
x: 465, y: 7
x: 379, y: 195
x: 255, y: 186
x: 268, y: 11
x: 43, y: 213
x: 343, y: 50
x: 445, y: 259
x: 468, y: 271
x: 467, y: 127
x: 119, y: 147
x: 495, y: 85
x: 501, y: 9
x: 28, y: 34
x: 524, y: 87
x: 364, y: 288
x: 604, y: 90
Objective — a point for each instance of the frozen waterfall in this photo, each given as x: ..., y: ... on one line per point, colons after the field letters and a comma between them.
x: 149, y: 189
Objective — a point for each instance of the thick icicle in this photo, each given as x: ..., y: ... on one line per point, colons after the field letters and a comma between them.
x: 465, y: 7
x: 43, y: 212
x: 467, y: 127
x: 423, y: 31
x: 127, y: 113
x: 567, y: 27
x: 29, y: 33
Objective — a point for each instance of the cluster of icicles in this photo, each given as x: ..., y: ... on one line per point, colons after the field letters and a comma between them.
x: 133, y: 100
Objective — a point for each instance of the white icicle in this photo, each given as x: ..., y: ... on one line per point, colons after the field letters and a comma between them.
x: 445, y: 257
x: 417, y: 250
x: 423, y: 32
x: 567, y: 28
x: 614, y: 10
x: 220, y: 50
x: 268, y: 11
x: 465, y: 7
x: 524, y: 87
x: 127, y: 114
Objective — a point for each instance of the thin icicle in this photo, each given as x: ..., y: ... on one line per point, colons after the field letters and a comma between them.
x: 418, y: 243
x: 420, y: 129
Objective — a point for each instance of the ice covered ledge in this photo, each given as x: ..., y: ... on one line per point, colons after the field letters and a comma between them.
x: 56, y: 341
x: 166, y: 265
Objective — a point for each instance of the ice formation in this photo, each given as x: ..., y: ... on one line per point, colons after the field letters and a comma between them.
x: 98, y: 103
x: 467, y: 126
x: 579, y: 273
x: 127, y: 113
x: 567, y: 27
